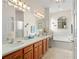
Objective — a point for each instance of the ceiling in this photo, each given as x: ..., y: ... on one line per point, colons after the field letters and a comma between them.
x: 51, y: 4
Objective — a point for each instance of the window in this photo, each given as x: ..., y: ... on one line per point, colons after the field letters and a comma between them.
x: 62, y: 22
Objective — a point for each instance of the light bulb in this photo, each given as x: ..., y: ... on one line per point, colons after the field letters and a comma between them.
x: 23, y: 9
x: 10, y: 4
x: 28, y: 8
x: 36, y: 15
x: 59, y: 0
x: 15, y: 1
x: 15, y: 6
x: 24, y: 6
x: 20, y: 4
x: 20, y: 8
x: 39, y: 14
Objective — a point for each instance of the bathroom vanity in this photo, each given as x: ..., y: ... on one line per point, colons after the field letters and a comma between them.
x: 28, y: 49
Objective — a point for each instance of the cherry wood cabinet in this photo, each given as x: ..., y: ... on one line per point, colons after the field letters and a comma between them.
x: 28, y: 55
x: 47, y: 44
x: 36, y: 55
x: 18, y: 55
x: 38, y: 50
x: 33, y: 51
x: 15, y: 55
x: 28, y: 52
x: 44, y: 46
x: 7, y: 57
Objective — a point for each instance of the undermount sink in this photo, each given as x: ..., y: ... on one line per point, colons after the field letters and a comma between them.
x: 17, y: 43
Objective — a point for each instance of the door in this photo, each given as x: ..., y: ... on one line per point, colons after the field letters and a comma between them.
x: 36, y: 56
x: 28, y: 55
x: 47, y: 44
x: 40, y: 51
x: 44, y: 46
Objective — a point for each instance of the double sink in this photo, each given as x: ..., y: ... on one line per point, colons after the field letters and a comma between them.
x: 17, y: 42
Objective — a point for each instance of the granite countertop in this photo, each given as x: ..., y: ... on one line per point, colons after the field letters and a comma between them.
x: 9, y: 48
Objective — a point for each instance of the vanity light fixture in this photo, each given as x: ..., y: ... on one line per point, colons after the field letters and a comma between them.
x: 18, y: 4
x: 59, y: 1
x: 39, y: 15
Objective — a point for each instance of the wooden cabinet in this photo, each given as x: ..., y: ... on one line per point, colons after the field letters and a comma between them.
x: 34, y: 51
x: 36, y: 55
x: 28, y: 55
x: 28, y: 52
x: 15, y: 55
x: 38, y: 50
x: 7, y: 57
x: 47, y: 44
x: 44, y: 46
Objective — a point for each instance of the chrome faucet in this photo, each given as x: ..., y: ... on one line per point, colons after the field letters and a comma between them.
x: 10, y: 41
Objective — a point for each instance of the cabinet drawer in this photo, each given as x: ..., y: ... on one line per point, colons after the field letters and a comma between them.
x: 28, y: 55
x: 17, y: 53
x: 26, y: 49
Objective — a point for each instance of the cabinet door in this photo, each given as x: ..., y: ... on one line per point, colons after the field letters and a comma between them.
x: 7, y: 57
x: 36, y: 56
x: 17, y: 55
x: 44, y: 46
x: 47, y: 44
x: 40, y: 51
x: 28, y: 55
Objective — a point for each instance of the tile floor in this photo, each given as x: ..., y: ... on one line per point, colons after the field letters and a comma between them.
x: 58, y: 52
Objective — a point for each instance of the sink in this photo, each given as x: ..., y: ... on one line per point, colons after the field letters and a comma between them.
x: 14, y: 44
x: 18, y: 42
x: 29, y: 37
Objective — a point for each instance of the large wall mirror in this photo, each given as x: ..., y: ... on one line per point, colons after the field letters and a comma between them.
x: 62, y: 22
x: 19, y: 24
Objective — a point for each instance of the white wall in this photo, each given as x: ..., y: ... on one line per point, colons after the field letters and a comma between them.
x: 61, y: 34
x: 7, y: 13
x: 29, y: 19
x: 45, y: 20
